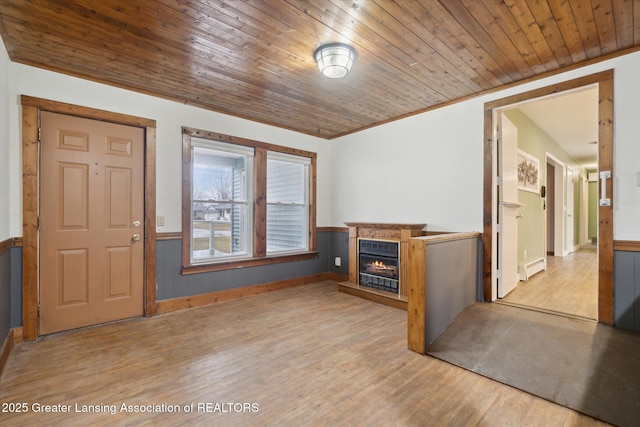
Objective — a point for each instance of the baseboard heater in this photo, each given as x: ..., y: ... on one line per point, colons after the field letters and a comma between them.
x: 530, y: 268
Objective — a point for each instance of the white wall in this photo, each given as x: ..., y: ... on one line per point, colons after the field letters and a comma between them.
x: 626, y: 133
x: 426, y: 168
x: 5, y: 158
x: 170, y: 117
x: 431, y: 168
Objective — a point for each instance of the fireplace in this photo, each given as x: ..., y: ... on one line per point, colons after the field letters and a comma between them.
x: 379, y: 264
x: 378, y: 254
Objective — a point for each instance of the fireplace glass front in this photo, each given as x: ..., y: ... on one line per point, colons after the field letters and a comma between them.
x: 379, y: 265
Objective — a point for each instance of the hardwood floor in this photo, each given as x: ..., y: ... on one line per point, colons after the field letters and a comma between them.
x: 308, y: 355
x: 569, y: 286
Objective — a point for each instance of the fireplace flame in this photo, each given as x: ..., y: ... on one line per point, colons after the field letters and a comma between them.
x: 379, y: 266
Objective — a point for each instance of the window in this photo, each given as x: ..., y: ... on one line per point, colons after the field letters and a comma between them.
x: 245, y: 202
x: 287, y: 202
x: 220, y: 212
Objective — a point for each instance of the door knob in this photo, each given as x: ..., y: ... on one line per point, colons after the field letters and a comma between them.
x: 136, y: 223
x: 135, y: 237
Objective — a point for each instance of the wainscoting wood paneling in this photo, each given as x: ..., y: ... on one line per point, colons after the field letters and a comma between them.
x: 5, y: 291
x: 10, y: 297
x: 247, y: 263
x: 626, y: 275
x: 15, y: 255
x: 5, y: 245
x: 173, y: 284
x: 627, y: 290
x: 183, y: 303
x: 212, y: 287
x: 339, y: 247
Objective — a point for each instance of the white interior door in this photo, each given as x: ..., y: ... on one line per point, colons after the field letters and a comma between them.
x: 507, y: 276
x: 569, y: 216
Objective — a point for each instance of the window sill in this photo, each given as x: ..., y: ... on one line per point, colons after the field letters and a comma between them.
x: 252, y: 262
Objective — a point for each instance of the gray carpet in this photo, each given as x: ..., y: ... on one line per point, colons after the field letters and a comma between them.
x: 591, y: 368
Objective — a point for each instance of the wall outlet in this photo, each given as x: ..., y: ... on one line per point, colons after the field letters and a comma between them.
x: 160, y: 221
x: 337, y: 261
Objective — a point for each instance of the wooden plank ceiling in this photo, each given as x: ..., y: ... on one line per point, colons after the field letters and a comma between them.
x: 253, y: 58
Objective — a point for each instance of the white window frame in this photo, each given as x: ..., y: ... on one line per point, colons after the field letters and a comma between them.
x: 248, y: 152
x: 274, y: 155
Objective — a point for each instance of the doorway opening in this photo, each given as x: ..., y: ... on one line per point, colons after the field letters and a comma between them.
x: 567, y: 223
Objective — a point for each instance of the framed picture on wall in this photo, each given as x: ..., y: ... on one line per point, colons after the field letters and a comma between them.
x: 528, y: 172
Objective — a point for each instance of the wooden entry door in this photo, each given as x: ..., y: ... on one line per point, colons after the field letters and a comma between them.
x: 91, y: 222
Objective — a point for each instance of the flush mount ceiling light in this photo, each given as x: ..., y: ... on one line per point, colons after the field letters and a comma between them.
x: 334, y: 59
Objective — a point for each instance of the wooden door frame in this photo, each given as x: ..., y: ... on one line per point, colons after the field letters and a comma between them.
x: 31, y: 108
x: 605, y: 162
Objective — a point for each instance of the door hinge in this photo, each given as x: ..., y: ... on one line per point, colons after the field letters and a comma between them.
x: 499, y: 228
x: 38, y: 224
x: 39, y: 134
x: 498, y: 274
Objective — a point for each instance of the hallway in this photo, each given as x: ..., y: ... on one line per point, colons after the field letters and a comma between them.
x: 569, y: 286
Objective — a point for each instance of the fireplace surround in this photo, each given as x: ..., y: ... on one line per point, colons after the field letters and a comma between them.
x: 379, y: 237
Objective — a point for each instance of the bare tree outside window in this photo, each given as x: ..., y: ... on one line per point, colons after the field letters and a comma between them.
x: 213, y: 185
x: 213, y: 203
x: 216, y: 186
x: 221, y: 186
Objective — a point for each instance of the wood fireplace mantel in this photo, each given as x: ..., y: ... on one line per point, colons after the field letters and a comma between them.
x: 381, y: 231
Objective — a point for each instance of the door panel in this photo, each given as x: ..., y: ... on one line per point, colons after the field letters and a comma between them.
x: 119, y: 272
x: 91, y: 195
x: 73, y: 187
x: 508, y: 206
x: 118, y: 194
x: 72, y: 270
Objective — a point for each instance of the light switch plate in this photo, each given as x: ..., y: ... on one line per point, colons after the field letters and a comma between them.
x: 160, y: 220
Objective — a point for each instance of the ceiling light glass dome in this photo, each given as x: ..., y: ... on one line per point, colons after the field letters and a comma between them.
x: 335, y: 59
